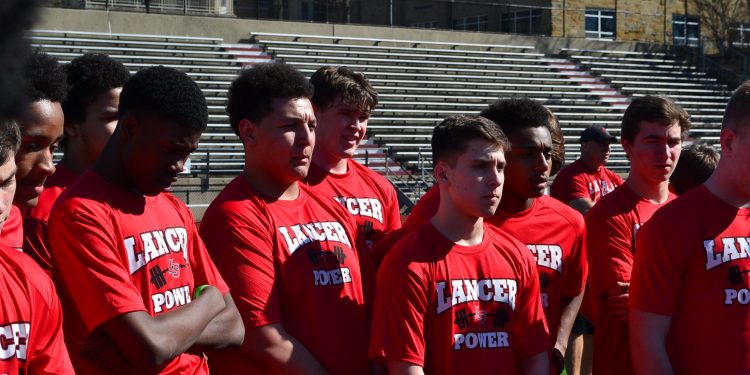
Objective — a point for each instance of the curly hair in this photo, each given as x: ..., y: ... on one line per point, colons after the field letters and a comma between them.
x: 165, y: 92
x: 16, y: 16
x: 354, y: 88
x: 251, y: 93
x: 90, y: 76
x: 517, y: 113
x: 45, y: 79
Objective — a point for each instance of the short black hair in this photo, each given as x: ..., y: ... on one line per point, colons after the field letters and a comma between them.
x: 10, y: 139
x: 90, y: 76
x: 451, y: 136
x: 45, y: 79
x: 16, y: 17
x: 168, y: 93
x: 517, y: 113
x: 251, y: 93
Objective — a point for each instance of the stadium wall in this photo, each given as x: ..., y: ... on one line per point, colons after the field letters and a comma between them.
x: 233, y: 30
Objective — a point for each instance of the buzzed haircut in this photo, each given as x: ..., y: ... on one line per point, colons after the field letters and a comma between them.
x: 252, y: 93
x: 452, y: 136
x: 88, y: 77
x: 167, y: 93
x: 697, y: 163
x: 655, y: 108
x: 354, y: 88
x: 517, y: 113
x: 738, y: 108
x: 10, y: 139
x: 45, y: 79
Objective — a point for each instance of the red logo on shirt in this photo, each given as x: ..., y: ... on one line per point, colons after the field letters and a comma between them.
x: 155, y: 244
x: 463, y: 291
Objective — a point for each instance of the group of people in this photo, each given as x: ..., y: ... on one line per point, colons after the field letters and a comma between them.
x: 301, y: 264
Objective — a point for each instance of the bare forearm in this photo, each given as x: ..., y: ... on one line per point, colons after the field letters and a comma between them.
x: 648, y: 334
x: 278, y: 352
x: 567, y: 317
x: 225, y: 329
x: 404, y: 368
x: 150, y: 341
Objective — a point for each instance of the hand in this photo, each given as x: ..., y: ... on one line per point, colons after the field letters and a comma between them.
x: 616, y: 300
x: 103, y: 353
x: 556, y: 361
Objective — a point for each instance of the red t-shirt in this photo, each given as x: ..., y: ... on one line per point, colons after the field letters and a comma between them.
x: 116, y: 252
x: 611, y: 226
x: 578, y: 181
x: 35, y: 242
x: 691, y: 264
x: 366, y: 195
x: 295, y: 263
x: 458, y: 309
x: 552, y: 231
x: 31, y: 336
x: 12, y: 233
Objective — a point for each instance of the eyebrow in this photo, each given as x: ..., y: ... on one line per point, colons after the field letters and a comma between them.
x: 4, y: 181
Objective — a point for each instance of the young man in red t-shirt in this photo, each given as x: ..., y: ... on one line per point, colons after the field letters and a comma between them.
x: 584, y: 182
x: 458, y: 295
x: 342, y: 101
x: 289, y: 255
x: 90, y: 109
x: 128, y: 253
x: 580, y: 185
x: 30, y: 314
x: 689, y: 311
x: 553, y: 232
x: 652, y: 132
x: 41, y: 125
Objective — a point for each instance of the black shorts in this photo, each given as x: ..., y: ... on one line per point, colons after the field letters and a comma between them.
x: 582, y: 326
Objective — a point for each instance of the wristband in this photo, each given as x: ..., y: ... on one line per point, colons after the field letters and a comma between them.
x: 197, y: 292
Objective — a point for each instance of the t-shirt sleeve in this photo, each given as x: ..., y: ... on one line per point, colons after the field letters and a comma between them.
x: 392, y: 211
x: 242, y: 247
x: 401, y: 304
x: 567, y: 189
x: 425, y: 208
x: 609, y: 253
x: 48, y: 354
x: 530, y: 333
x: 90, y: 262
x: 576, y: 268
x: 660, y: 261
x: 35, y: 242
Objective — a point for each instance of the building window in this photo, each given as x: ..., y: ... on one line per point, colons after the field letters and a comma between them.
x: 600, y: 24
x: 741, y: 35
x: 522, y: 22
x: 686, y: 30
x: 476, y: 23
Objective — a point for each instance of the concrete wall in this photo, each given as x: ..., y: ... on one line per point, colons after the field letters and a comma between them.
x: 233, y: 30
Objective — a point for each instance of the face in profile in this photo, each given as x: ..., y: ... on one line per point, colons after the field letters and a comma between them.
x: 341, y: 127
x: 156, y: 151
x: 281, y: 143
x: 529, y: 161
x: 41, y: 130
x: 7, y: 187
x: 475, y: 180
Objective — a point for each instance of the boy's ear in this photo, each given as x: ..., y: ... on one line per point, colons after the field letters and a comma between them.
x: 247, y: 131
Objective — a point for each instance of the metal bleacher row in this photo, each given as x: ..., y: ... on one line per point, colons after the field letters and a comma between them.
x: 419, y: 84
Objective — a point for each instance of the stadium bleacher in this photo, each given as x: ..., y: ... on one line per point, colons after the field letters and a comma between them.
x: 419, y: 83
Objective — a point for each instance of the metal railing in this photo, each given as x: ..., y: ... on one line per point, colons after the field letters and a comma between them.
x: 210, y: 7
